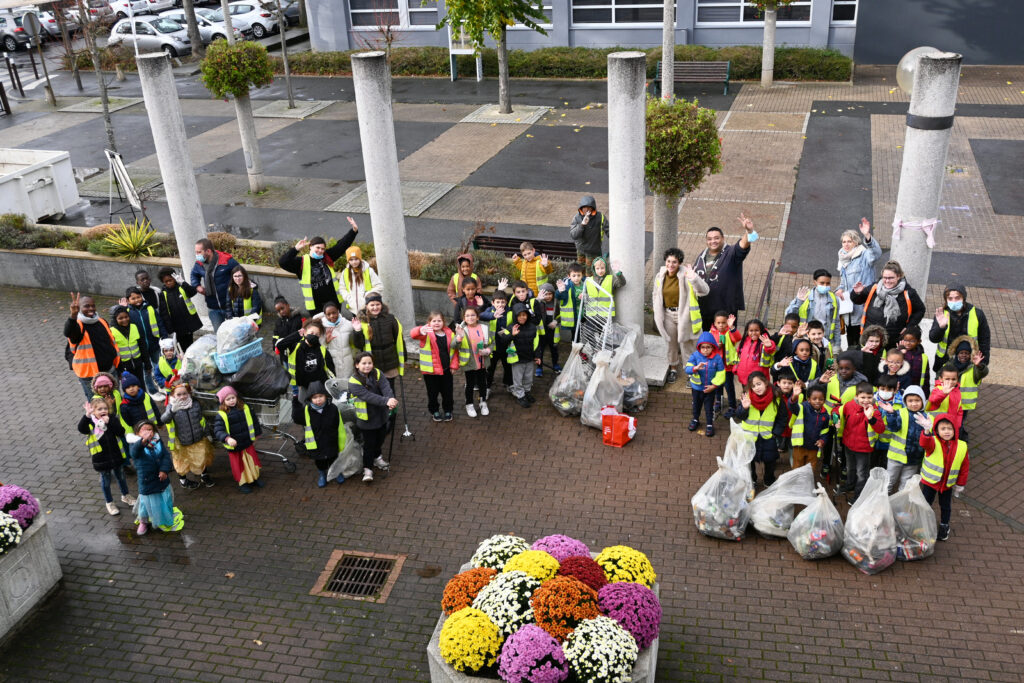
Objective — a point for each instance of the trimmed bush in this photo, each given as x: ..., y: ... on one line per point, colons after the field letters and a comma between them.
x: 17, y: 232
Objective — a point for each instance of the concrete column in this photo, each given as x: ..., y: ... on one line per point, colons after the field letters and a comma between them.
x: 626, y: 127
x: 171, y: 143
x: 372, y: 79
x: 668, y: 50
x: 929, y: 126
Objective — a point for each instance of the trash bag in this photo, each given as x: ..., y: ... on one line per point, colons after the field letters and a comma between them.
x: 870, y: 539
x: 916, y: 528
x: 567, y: 390
x: 341, y: 399
x: 817, y: 532
x: 198, y: 366
x: 772, y: 511
x: 602, y: 390
x: 350, y: 460
x: 720, y: 507
x: 629, y: 371
x: 235, y: 333
x: 261, y: 377
x: 739, y: 453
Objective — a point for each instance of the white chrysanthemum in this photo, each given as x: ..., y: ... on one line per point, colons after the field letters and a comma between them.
x: 506, y: 600
x: 600, y: 651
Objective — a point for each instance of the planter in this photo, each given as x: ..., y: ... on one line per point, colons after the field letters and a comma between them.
x: 37, y: 183
x: 29, y: 573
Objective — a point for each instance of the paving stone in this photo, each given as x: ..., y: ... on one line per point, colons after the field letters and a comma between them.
x: 278, y: 109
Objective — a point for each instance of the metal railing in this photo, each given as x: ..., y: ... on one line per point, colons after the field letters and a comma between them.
x: 764, y: 302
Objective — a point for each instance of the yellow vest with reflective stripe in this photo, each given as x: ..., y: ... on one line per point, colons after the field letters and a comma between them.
x: 128, y: 348
x: 457, y: 278
x: 361, y: 411
x: 732, y: 354
x: 805, y: 314
x: 165, y: 368
x: 696, y: 323
x: 872, y: 434
x: 150, y: 321
x: 427, y: 355
x: 249, y: 309
x: 189, y: 306
x: 309, y: 439
x: 95, y: 446
x: 972, y: 331
x: 760, y: 423
x: 248, y: 422
x: 345, y: 274
x: 832, y: 396
x: 399, y: 344
x: 291, y: 362
x: 306, y: 281
x: 898, y: 440
x: 603, y: 301
x: 513, y: 355
x: 798, y: 425
x: 968, y: 389
x: 933, y: 464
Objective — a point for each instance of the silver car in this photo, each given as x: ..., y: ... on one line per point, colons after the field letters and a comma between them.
x: 49, y: 23
x: 207, y: 29
x: 12, y: 35
x: 153, y: 34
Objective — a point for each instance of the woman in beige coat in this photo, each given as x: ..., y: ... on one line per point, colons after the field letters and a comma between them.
x: 676, y: 313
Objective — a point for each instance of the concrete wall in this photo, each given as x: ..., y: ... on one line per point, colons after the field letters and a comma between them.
x: 29, y: 573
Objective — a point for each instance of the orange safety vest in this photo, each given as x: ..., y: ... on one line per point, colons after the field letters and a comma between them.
x: 84, y: 362
x: 867, y: 302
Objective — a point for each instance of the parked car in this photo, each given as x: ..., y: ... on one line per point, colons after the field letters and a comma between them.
x: 49, y: 23
x: 291, y: 12
x: 154, y: 34
x: 155, y: 6
x: 120, y: 8
x: 249, y: 18
x: 12, y: 35
x: 99, y: 11
x: 207, y: 29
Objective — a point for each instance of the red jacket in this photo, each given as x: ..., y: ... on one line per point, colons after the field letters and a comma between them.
x: 955, y: 411
x: 428, y: 339
x: 855, y: 431
x: 927, y: 442
x: 750, y: 359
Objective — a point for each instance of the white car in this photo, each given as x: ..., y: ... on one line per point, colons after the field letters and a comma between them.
x: 154, y: 34
x: 249, y: 18
x: 120, y: 8
x: 160, y: 5
x: 207, y: 29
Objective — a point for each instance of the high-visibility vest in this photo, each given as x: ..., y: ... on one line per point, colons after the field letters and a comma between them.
x: 306, y: 281
x: 427, y: 353
x: 170, y: 430
x: 95, y: 447
x: 457, y: 278
x: 542, y: 327
x: 925, y: 363
x: 799, y: 427
x: 813, y: 373
x: 309, y: 439
x: 805, y: 314
x: 149, y: 319
x: 732, y: 354
x: 291, y: 362
x: 361, y: 411
x: 972, y: 331
x: 867, y: 303
x: 833, y: 399
x: 248, y: 422
x: 696, y: 379
x: 696, y: 323
x: 872, y: 434
x: 127, y: 349
x: 345, y: 274
x: 147, y: 404
x: 601, y: 297
x: 84, y: 362
x: 466, y: 351
x: 249, y: 309
x: 933, y: 464
x: 760, y: 423
x: 513, y: 355
x: 968, y: 390
x: 399, y: 344
x: 188, y: 303
x: 566, y: 314
x: 165, y: 368
x: 898, y: 440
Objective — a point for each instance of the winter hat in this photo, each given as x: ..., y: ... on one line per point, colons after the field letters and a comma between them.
x: 315, y: 388
x: 520, y: 308
x: 353, y: 251
x: 373, y: 296
x: 225, y: 392
x: 706, y: 338
x: 102, y: 381
x: 142, y: 423
x: 167, y: 344
x: 116, y: 310
x: 547, y: 287
x: 129, y: 380
x: 954, y: 287
x: 913, y: 390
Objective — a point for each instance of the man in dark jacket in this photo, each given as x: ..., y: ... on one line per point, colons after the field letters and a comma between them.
x: 315, y: 270
x: 211, y: 276
x: 589, y: 230
x: 720, y: 265
x: 956, y: 318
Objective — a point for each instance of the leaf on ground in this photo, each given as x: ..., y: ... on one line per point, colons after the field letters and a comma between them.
x: 258, y: 642
x: 229, y: 575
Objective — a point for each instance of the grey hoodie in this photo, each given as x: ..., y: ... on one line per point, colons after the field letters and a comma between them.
x: 591, y: 239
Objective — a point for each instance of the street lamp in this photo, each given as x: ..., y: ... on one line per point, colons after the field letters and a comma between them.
x: 907, y: 67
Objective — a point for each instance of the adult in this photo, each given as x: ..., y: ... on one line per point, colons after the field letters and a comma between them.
x: 211, y: 276
x: 677, y: 309
x: 357, y: 280
x: 956, y: 318
x: 721, y: 267
x: 857, y: 259
x: 891, y: 302
x: 91, y: 346
x: 315, y: 270
x: 589, y: 230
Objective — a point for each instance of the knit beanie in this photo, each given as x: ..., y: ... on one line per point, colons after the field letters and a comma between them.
x: 353, y: 251
x: 167, y: 344
x: 102, y: 381
x: 373, y: 296
x: 129, y: 380
x: 547, y: 287
x: 225, y: 392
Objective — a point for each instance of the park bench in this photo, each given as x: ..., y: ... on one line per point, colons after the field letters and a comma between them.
x: 695, y: 72
x: 510, y: 245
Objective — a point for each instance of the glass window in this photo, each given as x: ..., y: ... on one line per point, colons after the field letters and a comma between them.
x: 546, y: 9
x: 741, y: 11
x: 403, y: 14
x: 844, y: 11
x: 617, y: 12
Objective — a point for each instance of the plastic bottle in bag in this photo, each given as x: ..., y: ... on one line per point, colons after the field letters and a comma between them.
x: 567, y: 390
x: 870, y: 542
x: 603, y: 390
x: 720, y: 506
x: 916, y: 528
x: 235, y: 333
x: 772, y: 511
x: 817, y: 532
x: 739, y: 453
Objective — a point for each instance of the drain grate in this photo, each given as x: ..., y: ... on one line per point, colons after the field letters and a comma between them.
x: 359, y: 576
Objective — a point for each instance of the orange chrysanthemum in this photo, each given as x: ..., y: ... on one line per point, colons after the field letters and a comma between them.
x: 462, y: 588
x: 563, y: 602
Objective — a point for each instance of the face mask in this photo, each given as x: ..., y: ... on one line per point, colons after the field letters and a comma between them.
x: 155, y: 439
x: 822, y: 289
x: 955, y: 305
x: 752, y: 237
x: 315, y: 255
x: 312, y: 339
x: 885, y: 395
x: 200, y: 258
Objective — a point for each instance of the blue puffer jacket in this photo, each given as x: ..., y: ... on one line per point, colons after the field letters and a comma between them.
x: 861, y: 269
x: 150, y: 461
x: 217, y: 299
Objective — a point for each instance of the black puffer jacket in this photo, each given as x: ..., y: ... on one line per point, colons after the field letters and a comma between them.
x: 324, y: 424
x: 188, y: 424
x: 237, y: 428
x: 384, y: 334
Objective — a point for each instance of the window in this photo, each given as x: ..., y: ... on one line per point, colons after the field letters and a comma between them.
x: 844, y: 11
x: 369, y: 14
x: 546, y: 8
x: 738, y: 11
x: 617, y: 12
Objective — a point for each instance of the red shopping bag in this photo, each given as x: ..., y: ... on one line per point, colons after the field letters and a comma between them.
x: 617, y: 429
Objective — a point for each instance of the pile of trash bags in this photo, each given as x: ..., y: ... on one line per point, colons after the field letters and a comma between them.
x: 870, y: 539
x: 817, y: 532
x: 772, y: 512
x: 567, y: 390
x: 261, y: 377
x: 629, y: 373
x: 617, y: 378
x: 236, y: 333
x: 198, y: 365
x: 721, y: 507
x: 916, y: 528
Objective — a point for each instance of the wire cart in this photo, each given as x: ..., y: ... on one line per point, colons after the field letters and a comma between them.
x: 271, y: 412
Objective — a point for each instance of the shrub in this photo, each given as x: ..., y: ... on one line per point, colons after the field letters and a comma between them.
x: 98, y: 232
x: 682, y: 146
x: 223, y: 241
x: 17, y: 232
x: 131, y: 240
x: 17, y: 221
x: 234, y: 69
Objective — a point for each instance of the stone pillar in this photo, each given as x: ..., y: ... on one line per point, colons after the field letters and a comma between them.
x: 171, y: 143
x: 626, y: 127
x: 372, y: 79
x: 929, y: 126
x: 668, y: 50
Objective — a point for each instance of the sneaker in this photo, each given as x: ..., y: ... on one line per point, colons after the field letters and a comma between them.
x: 709, y: 430
x: 556, y: 367
x: 539, y: 372
x: 340, y: 479
x: 188, y: 484
x: 943, y: 532
x: 693, y: 425
x: 522, y: 401
x: 143, y: 528
x: 436, y: 416
x: 448, y: 417
x: 470, y: 410
x: 483, y: 408
x: 207, y: 480
x: 530, y: 398
x: 367, y: 474
x: 729, y: 412
x: 672, y: 377
x: 380, y: 463
x: 245, y: 488
x: 260, y: 483
x: 716, y: 408
x: 321, y: 480
x: 112, y: 509
x: 128, y: 499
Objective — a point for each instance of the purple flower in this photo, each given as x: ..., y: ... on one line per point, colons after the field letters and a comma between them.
x: 531, y: 655
x: 561, y: 547
x: 19, y: 503
x: 635, y: 607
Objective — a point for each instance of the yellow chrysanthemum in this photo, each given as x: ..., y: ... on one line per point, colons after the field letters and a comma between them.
x: 470, y: 641
x: 624, y: 564
x: 537, y: 563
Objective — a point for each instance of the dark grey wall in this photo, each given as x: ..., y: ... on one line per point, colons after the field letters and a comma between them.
x: 983, y: 31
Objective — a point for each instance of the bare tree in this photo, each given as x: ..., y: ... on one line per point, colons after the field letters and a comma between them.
x: 386, y: 29
x: 89, y: 30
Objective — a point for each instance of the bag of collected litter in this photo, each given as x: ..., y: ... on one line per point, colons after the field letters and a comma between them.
x: 337, y: 388
x: 916, y: 528
x: 629, y: 371
x: 817, y: 532
x: 235, y: 333
x: 198, y: 365
x: 772, y: 511
x: 603, y: 390
x: 870, y: 538
x: 350, y: 460
x: 739, y: 453
x: 261, y: 377
x: 567, y: 390
x: 720, y: 506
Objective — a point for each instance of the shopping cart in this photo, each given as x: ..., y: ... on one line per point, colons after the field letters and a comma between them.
x: 271, y: 412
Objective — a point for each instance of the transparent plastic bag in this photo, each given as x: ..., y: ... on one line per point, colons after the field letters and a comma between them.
x: 916, y: 528
x: 870, y: 539
x: 603, y: 390
x: 739, y: 453
x: 720, y: 507
x: 235, y: 333
x: 350, y: 460
x: 567, y: 390
x: 629, y: 371
x: 772, y: 512
x: 198, y: 366
x: 817, y: 532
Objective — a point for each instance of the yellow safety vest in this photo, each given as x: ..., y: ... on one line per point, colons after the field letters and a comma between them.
x: 188, y: 303
x: 150, y: 321
x: 696, y: 323
x: 249, y: 309
x: 127, y: 349
x: 732, y: 354
x: 309, y: 439
x: 457, y: 278
x: 972, y: 331
x: 542, y: 277
x: 760, y: 423
x: 798, y: 429
x: 832, y: 396
x: 805, y: 314
x: 306, y: 281
x: 367, y: 286
x: 898, y: 440
x: 513, y: 355
x: 466, y: 352
x: 291, y: 362
x: 361, y: 411
x: 165, y: 368
x: 968, y: 389
x: 933, y: 464
x: 601, y: 297
x: 872, y: 434
x: 95, y: 446
x: 399, y: 344
x: 427, y: 354
x: 248, y: 422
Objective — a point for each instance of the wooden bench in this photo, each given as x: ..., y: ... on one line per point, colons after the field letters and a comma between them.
x: 696, y: 72
x: 565, y: 251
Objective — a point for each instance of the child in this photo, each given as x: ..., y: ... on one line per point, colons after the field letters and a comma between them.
x: 947, y: 398
x: 152, y: 326
x: 823, y: 350
x: 128, y: 337
x: 755, y: 351
x: 104, y: 438
x: 136, y: 405
x: 886, y: 393
x: 530, y: 269
x: 873, y: 341
x: 143, y: 281
x: 548, y: 327
x: 357, y: 280
x: 818, y: 304
x: 373, y: 402
x: 498, y: 321
x: 569, y: 291
x: 103, y: 387
x: 337, y: 337
x: 439, y: 358
x: 859, y: 427
x: 323, y: 430
x: 723, y: 329
x: 169, y: 365
x: 600, y: 288
x: 153, y: 464
x: 236, y: 429
x: 523, y: 355
x: 707, y: 374
x: 904, y: 454
x: 244, y: 295
x: 521, y: 294
x: 784, y: 337
x: 915, y: 355
x: 895, y: 365
x: 186, y: 437
x: 309, y: 361
x: 944, y: 467
x: 465, y: 270
x: 288, y: 322
x: 471, y: 296
x: 175, y: 305
x: 970, y: 364
x: 802, y: 363
x: 476, y: 347
x: 762, y: 415
x: 812, y: 426
x: 377, y: 331
x: 785, y: 382
x: 840, y: 388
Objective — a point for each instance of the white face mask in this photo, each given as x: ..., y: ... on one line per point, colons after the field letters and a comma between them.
x: 885, y: 395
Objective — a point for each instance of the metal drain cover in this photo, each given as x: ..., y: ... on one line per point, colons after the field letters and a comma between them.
x: 359, y: 575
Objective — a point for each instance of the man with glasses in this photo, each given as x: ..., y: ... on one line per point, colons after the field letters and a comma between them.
x: 721, y: 267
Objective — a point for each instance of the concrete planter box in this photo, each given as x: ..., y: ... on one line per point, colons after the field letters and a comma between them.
x: 28, y: 574
x: 37, y: 183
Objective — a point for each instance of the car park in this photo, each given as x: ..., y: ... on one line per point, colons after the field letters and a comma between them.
x: 250, y: 18
x: 12, y: 34
x: 152, y: 34
x: 209, y: 30
x: 121, y: 10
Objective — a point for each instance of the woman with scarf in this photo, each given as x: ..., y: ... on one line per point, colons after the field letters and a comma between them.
x: 891, y: 302
x: 856, y: 264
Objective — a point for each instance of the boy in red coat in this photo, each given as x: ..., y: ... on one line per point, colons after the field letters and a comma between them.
x: 858, y: 419
x: 945, y: 397
x: 945, y: 465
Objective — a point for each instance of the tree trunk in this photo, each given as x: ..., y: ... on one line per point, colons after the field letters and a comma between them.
x: 90, y: 43
x: 504, y: 99
x: 666, y: 226
x: 58, y: 12
x: 668, y: 51
x: 189, y: 7
x: 303, y: 20
x: 227, y: 21
x: 250, y: 144
x: 284, y: 57
x: 768, y: 48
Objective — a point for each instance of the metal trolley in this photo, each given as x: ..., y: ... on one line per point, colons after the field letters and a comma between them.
x: 271, y: 412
